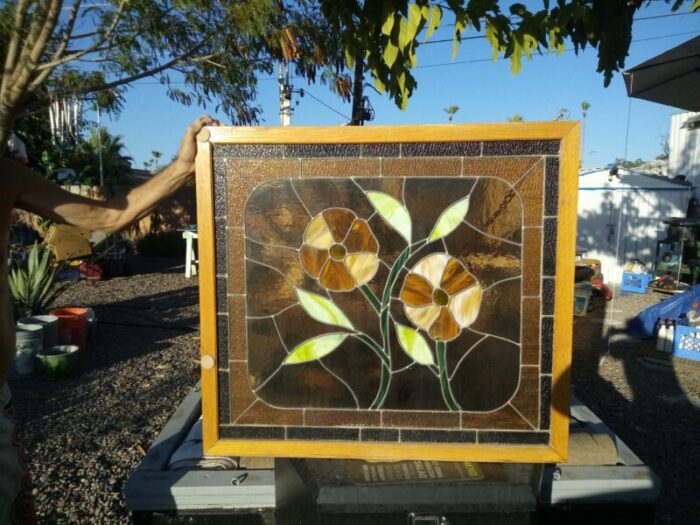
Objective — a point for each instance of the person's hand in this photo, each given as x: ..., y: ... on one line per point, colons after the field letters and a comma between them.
x: 188, y: 146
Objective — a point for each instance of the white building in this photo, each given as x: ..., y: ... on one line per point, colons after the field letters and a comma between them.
x: 620, y: 216
x: 684, y: 148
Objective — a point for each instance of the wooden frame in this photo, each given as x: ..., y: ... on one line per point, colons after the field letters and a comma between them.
x: 567, y: 133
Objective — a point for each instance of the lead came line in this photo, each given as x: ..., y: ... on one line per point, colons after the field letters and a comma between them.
x: 301, y: 201
x: 459, y: 363
x: 511, y: 405
x: 519, y: 276
x: 465, y: 221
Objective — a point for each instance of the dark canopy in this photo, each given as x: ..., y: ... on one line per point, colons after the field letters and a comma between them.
x: 672, y: 78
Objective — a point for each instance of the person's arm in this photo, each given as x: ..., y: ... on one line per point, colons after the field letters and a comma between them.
x: 37, y: 195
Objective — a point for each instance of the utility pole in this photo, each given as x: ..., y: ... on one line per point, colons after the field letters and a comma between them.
x: 357, y: 87
x: 362, y: 109
x: 285, y: 91
x: 99, y: 141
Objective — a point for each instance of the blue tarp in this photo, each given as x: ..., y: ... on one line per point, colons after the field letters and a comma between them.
x: 677, y: 306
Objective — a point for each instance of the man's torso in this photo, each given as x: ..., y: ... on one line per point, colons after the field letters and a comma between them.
x: 8, y: 197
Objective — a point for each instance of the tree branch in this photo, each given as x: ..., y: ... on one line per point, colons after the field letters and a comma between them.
x: 91, y: 49
x: 13, y: 46
x: 15, y: 30
x: 43, y: 24
x: 148, y: 73
x: 69, y: 29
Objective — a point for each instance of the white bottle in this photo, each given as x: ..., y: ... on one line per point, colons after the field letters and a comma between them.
x: 670, y: 332
x: 661, y: 336
x: 693, y: 315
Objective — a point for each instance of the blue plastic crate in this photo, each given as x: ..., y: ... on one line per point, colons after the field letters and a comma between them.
x: 635, y: 282
x: 686, y: 342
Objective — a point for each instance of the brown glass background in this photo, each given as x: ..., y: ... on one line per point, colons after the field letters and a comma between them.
x: 503, y: 388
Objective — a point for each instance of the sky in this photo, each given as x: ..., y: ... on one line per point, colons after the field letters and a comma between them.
x: 617, y: 126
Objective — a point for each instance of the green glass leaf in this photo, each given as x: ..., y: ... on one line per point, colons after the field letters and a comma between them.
x: 315, y: 348
x: 393, y: 212
x: 322, y: 309
x: 450, y: 219
x: 414, y: 344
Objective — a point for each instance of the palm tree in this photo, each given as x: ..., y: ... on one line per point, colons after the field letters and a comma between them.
x: 515, y: 118
x: 451, y: 110
x: 116, y: 166
x: 585, y: 106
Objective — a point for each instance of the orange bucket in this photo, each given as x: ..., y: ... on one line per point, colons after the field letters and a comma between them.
x: 72, y: 326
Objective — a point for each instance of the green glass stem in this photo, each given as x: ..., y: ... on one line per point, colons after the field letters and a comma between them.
x: 376, y: 348
x: 441, y: 350
x: 385, y: 379
x: 371, y: 297
x: 383, y: 389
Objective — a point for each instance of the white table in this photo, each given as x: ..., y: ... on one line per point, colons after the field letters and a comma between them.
x: 190, y: 255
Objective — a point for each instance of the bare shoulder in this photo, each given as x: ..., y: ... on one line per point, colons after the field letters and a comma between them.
x: 16, y: 174
x: 11, y: 175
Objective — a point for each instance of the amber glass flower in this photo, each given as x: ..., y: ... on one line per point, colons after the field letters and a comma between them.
x: 339, y: 250
x: 441, y: 296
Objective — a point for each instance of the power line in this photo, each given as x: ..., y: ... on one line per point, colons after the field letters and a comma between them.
x: 478, y: 37
x: 568, y: 50
x: 306, y: 92
x: 473, y: 61
x: 638, y: 19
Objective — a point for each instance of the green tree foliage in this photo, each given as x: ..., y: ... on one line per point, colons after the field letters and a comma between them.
x: 83, y: 157
x: 388, y: 33
x: 217, y: 47
x: 515, y: 118
x: 451, y: 111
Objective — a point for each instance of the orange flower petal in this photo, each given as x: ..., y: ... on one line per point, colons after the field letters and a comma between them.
x: 362, y: 266
x: 423, y: 316
x: 335, y: 276
x: 312, y: 259
x: 318, y: 234
x: 360, y: 238
x: 339, y: 221
x: 416, y: 291
x: 444, y: 328
x: 456, y: 278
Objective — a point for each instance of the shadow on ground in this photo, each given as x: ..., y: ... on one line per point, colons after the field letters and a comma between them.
x: 650, y: 400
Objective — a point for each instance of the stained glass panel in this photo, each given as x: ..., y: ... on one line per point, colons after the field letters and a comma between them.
x: 386, y: 292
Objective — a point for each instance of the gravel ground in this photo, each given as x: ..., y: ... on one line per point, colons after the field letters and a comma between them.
x: 650, y: 400
x: 87, y: 434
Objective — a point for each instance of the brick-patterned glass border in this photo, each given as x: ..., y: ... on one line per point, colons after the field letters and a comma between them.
x: 526, y: 420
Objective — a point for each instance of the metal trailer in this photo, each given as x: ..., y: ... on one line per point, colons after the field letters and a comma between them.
x: 574, y: 494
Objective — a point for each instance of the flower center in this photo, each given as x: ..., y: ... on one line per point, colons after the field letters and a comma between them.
x: 338, y: 252
x: 440, y: 297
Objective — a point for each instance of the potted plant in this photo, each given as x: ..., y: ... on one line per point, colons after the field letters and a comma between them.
x: 33, y: 285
